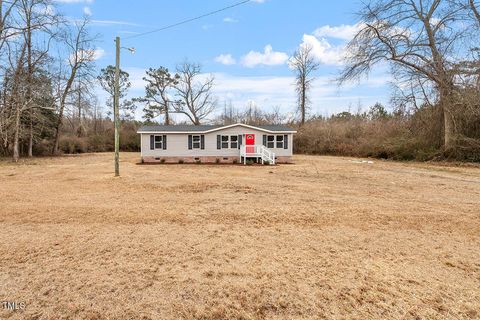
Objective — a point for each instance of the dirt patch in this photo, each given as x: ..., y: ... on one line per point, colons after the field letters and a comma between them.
x: 323, y: 238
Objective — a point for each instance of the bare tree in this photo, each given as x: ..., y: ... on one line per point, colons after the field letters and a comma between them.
x: 36, y: 18
x: 304, y: 64
x: 80, y: 63
x: 423, y: 40
x: 195, y: 94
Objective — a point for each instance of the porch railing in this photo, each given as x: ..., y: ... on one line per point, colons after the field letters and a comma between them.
x: 256, y: 151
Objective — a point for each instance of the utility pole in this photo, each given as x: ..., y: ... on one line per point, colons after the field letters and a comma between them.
x: 116, y: 99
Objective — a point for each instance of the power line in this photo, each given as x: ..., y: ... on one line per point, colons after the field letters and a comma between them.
x: 188, y: 20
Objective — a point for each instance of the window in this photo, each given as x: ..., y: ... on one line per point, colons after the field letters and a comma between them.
x: 196, y: 142
x: 234, y: 142
x: 158, y: 142
x: 280, y: 142
x: 225, y: 142
x: 271, y: 142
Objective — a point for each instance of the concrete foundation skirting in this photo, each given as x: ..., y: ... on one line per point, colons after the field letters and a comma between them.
x: 203, y: 159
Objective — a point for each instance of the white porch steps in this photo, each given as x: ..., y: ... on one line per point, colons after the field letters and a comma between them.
x: 256, y: 151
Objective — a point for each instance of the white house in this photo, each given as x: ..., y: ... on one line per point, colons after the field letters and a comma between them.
x: 216, y: 144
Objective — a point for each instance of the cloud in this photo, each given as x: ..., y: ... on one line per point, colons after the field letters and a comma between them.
x: 258, y: 1
x: 90, y: 54
x: 230, y: 20
x: 225, y: 59
x: 344, y: 31
x: 323, y: 51
x: 272, y: 91
x: 87, y: 11
x: 113, y: 22
x: 268, y: 57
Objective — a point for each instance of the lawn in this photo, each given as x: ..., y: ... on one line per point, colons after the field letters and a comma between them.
x: 326, y: 237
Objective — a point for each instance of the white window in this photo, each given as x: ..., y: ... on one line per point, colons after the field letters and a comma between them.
x: 234, y: 142
x: 225, y: 142
x: 196, y: 142
x: 271, y: 142
x: 158, y: 142
x: 280, y: 142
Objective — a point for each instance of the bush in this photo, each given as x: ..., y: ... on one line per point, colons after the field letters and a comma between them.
x: 267, y: 163
x: 249, y: 162
x: 181, y: 161
x: 235, y: 161
x: 217, y: 161
x: 162, y: 160
x: 72, y: 144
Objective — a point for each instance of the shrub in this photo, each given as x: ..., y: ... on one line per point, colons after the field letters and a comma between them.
x: 217, y: 161
x: 249, y: 162
x: 72, y: 144
x: 266, y: 162
x: 198, y: 161
x: 181, y: 161
x: 235, y: 161
x: 162, y: 160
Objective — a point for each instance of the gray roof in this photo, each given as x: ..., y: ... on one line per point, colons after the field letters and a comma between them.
x: 205, y: 128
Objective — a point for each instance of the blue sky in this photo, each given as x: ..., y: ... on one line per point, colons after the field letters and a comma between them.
x: 246, y: 48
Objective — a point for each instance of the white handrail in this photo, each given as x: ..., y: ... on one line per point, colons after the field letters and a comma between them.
x: 259, y: 151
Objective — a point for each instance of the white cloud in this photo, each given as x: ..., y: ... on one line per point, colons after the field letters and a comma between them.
x: 271, y: 91
x: 98, y: 53
x: 90, y: 54
x: 258, y: 1
x: 230, y: 20
x: 113, y: 22
x: 344, y: 31
x: 87, y: 11
x: 323, y: 51
x: 225, y: 59
x: 268, y: 57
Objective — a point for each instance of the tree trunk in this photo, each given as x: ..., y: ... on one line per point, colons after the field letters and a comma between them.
x: 446, y: 97
x: 62, y: 109
x: 303, y: 102
x: 30, y: 138
x: 16, y: 153
x: 167, y: 116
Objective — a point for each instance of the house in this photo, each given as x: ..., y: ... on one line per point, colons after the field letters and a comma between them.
x: 216, y: 144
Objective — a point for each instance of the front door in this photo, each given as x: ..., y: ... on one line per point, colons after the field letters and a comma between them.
x: 250, y: 139
x: 250, y: 143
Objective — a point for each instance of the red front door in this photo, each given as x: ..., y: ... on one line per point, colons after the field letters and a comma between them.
x: 250, y: 139
x: 250, y: 143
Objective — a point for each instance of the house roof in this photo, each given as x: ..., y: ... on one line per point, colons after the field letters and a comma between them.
x: 211, y: 128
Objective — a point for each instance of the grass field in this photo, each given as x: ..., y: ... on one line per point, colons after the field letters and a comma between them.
x: 327, y: 237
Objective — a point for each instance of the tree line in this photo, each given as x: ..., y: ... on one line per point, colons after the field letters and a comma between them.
x: 48, y: 78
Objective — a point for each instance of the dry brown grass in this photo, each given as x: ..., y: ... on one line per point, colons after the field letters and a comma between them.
x: 324, y: 238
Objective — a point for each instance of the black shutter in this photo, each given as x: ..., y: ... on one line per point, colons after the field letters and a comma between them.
x: 164, y: 142
x: 240, y: 138
x: 152, y: 142
x: 285, y: 141
x: 189, y: 142
x: 265, y: 140
x: 219, y: 142
x: 202, y: 142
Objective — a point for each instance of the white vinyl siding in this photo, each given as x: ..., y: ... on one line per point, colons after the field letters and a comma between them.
x: 178, y: 143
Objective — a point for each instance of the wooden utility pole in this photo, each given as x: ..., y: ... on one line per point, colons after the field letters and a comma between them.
x: 115, y: 107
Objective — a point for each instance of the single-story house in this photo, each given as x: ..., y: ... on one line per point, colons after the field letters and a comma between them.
x: 216, y: 144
